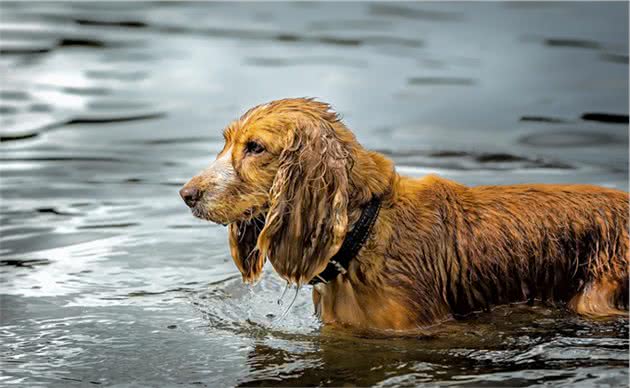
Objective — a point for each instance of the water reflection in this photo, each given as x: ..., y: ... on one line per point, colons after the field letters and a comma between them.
x: 106, y: 109
x: 489, y: 345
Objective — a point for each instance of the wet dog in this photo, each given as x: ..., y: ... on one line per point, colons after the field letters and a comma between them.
x: 386, y: 251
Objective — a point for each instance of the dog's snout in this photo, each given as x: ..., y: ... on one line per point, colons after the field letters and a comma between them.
x: 190, y: 195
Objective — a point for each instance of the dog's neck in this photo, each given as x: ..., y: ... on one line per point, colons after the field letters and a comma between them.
x: 372, y: 176
x: 352, y: 244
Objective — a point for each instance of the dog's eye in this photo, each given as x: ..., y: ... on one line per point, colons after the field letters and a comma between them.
x: 254, y: 148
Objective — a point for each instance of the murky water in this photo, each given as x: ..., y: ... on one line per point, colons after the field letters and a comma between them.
x: 106, y: 109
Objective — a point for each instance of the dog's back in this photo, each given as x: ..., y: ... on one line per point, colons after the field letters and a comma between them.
x: 550, y: 242
x: 505, y: 244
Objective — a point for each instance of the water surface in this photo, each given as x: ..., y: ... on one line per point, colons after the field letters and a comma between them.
x: 106, y: 109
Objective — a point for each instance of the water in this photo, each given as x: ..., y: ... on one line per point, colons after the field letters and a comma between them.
x: 107, y: 109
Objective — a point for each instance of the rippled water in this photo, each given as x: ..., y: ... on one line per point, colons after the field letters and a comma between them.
x: 106, y: 109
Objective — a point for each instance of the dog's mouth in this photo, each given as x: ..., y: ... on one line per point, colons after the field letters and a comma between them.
x: 252, y: 214
x: 244, y: 231
x: 199, y: 213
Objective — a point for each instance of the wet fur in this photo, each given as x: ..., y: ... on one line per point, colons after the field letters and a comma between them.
x: 438, y: 249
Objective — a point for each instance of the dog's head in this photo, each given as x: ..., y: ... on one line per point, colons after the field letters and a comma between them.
x: 281, y: 183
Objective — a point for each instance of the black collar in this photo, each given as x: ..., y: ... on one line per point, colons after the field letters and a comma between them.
x: 351, y: 245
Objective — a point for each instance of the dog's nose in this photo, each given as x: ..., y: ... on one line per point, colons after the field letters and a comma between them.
x: 190, y: 195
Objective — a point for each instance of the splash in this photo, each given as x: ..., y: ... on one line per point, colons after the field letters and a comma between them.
x: 286, y: 311
x: 284, y: 292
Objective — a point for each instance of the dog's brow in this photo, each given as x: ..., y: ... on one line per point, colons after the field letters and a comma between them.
x: 227, y: 132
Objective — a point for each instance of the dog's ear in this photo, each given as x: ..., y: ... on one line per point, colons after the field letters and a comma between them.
x: 307, y: 219
x: 243, y: 239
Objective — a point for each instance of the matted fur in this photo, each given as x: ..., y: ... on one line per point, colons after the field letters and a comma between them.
x: 307, y: 218
x: 437, y: 250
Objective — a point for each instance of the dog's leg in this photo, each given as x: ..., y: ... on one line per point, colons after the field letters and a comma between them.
x: 599, y: 298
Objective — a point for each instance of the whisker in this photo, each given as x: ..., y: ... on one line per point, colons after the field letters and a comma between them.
x: 241, y: 232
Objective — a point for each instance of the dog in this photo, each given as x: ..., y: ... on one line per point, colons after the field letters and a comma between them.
x: 389, y: 252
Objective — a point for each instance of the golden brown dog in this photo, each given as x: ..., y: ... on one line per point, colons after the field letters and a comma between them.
x: 292, y: 180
